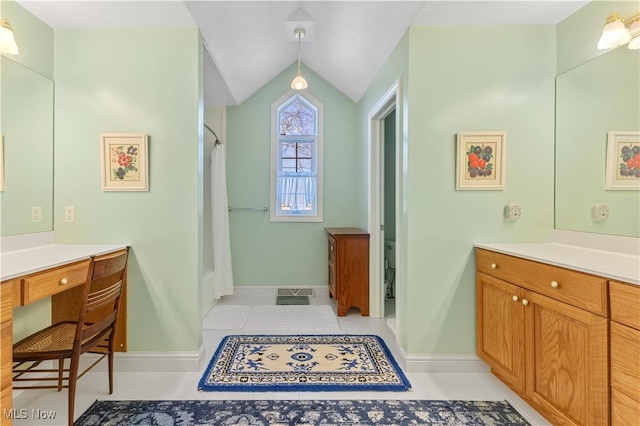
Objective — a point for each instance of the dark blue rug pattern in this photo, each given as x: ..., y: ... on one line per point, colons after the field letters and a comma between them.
x: 285, y: 363
x: 319, y: 412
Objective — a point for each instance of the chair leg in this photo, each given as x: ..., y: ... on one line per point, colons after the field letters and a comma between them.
x: 60, y: 369
x: 110, y: 360
x: 73, y: 378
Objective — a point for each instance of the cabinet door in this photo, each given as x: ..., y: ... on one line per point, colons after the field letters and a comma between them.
x: 567, y: 358
x: 500, y: 329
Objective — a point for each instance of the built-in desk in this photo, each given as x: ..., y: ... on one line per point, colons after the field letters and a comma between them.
x: 29, y: 274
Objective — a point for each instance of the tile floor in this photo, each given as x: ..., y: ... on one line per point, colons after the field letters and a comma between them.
x: 171, y: 385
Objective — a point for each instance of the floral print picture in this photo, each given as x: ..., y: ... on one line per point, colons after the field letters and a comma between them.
x: 480, y: 162
x: 124, y: 162
x: 623, y: 160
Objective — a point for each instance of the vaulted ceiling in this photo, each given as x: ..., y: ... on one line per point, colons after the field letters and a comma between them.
x: 251, y: 42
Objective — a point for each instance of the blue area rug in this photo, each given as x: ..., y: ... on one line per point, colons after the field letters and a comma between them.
x: 344, y: 362
x: 344, y: 412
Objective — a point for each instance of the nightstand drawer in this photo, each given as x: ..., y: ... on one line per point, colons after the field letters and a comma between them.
x: 575, y: 288
x: 50, y: 282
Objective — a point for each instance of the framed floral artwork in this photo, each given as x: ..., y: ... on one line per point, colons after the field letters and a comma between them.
x: 481, y: 160
x: 124, y: 161
x: 623, y: 160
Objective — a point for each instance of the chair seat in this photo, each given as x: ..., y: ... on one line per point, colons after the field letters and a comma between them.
x: 56, y: 339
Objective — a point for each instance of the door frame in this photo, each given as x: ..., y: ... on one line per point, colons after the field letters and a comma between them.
x: 389, y: 102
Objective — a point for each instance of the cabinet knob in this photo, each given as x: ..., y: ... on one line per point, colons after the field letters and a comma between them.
x: 515, y: 298
x: 525, y: 302
x: 64, y: 281
x: 494, y: 266
x: 555, y: 284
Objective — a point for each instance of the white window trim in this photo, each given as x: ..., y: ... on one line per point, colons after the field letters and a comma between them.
x: 274, y: 216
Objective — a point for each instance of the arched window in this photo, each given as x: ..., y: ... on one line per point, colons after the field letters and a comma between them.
x: 296, y: 163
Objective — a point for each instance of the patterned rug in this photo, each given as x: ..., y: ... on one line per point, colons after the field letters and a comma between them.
x: 344, y: 412
x: 257, y: 363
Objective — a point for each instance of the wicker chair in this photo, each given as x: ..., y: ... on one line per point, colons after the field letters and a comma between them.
x: 70, y: 339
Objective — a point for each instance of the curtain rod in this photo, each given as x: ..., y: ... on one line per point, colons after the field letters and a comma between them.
x: 214, y: 134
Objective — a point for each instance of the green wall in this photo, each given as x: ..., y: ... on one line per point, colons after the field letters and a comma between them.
x: 394, y: 71
x: 126, y: 81
x: 466, y: 79
x: 279, y: 253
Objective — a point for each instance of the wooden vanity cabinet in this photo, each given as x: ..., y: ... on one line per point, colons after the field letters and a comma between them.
x: 543, y: 331
x: 348, y: 268
x: 6, y: 350
x: 625, y: 353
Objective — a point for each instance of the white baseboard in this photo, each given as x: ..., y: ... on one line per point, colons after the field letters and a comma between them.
x: 426, y: 363
x: 157, y: 361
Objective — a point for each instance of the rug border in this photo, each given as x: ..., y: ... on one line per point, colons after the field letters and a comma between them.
x: 403, y: 387
x: 506, y: 404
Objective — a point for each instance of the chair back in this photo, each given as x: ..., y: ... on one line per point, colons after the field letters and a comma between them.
x: 101, y: 299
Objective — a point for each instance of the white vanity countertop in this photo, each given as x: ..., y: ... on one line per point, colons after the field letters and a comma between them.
x: 34, y: 259
x: 609, y: 264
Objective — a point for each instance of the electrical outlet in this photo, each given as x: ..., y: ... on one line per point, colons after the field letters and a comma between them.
x: 512, y: 211
x: 36, y: 213
x: 69, y: 214
x: 599, y: 212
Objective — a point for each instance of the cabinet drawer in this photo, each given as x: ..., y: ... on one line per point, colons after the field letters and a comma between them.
x: 625, y: 359
x: 332, y: 249
x: 624, y: 301
x: 625, y: 411
x: 50, y: 282
x: 575, y: 288
x: 6, y: 304
x: 6, y: 353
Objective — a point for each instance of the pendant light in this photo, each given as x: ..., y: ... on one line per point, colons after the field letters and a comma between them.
x: 7, y: 40
x: 299, y: 82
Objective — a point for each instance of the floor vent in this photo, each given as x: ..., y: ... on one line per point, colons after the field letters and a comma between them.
x: 295, y: 292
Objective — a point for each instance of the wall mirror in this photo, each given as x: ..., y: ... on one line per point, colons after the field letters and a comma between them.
x: 597, y: 97
x: 26, y: 124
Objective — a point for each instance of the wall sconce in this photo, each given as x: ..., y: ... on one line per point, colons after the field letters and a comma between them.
x: 299, y: 82
x: 7, y: 40
x: 618, y: 31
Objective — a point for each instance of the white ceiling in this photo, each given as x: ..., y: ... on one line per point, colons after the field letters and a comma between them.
x: 251, y: 42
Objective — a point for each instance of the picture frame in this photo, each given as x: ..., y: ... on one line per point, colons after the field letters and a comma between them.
x: 124, y: 161
x: 1, y: 163
x: 623, y: 161
x: 480, y: 160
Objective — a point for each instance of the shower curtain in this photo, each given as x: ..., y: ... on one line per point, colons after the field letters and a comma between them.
x: 222, y: 272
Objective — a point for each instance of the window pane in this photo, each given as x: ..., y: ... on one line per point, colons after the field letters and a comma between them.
x: 289, y: 165
x: 304, y: 165
x: 288, y: 149
x: 297, y: 118
x: 304, y: 150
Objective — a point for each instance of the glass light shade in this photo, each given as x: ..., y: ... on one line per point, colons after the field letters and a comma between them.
x: 299, y: 83
x: 614, y: 33
x: 634, y: 30
x: 7, y: 40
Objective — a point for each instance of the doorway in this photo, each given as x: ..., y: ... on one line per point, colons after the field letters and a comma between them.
x: 384, y: 203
